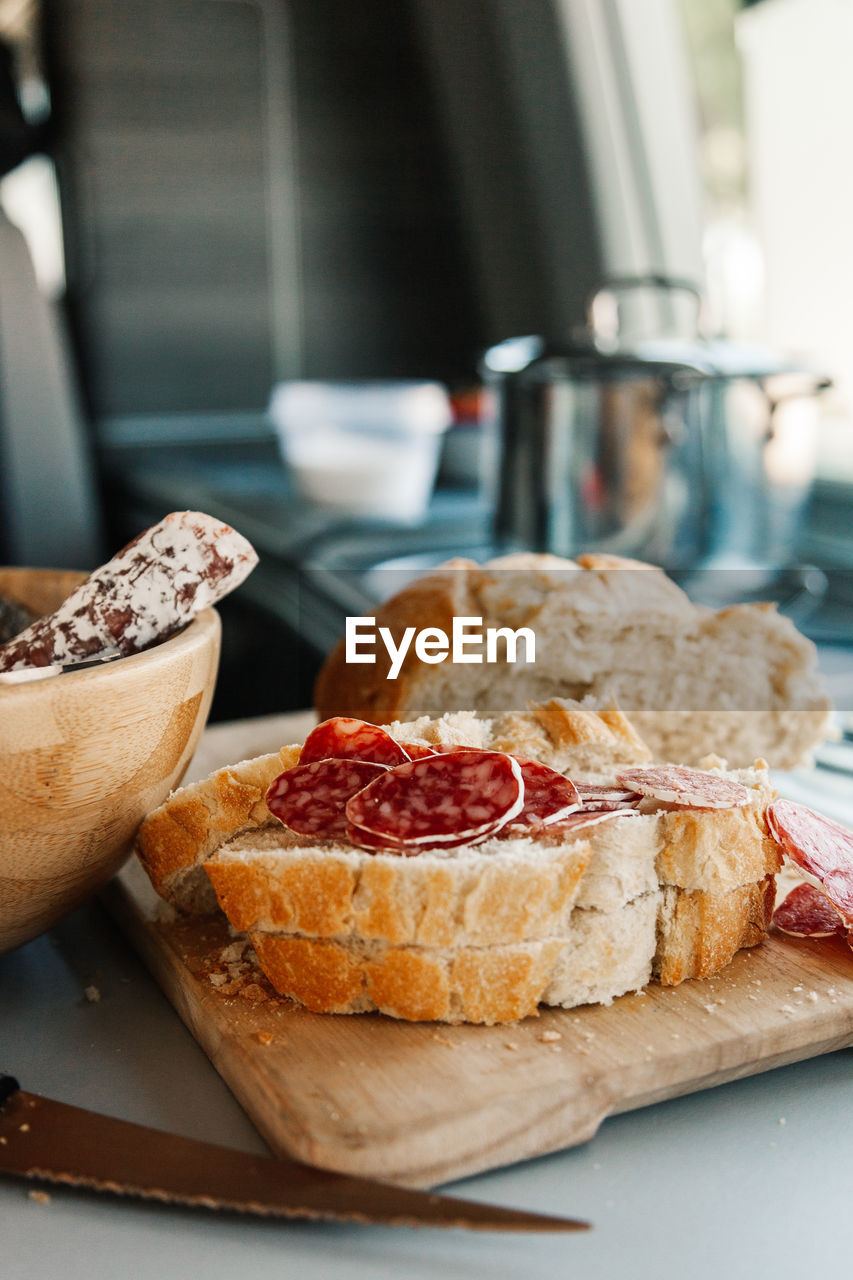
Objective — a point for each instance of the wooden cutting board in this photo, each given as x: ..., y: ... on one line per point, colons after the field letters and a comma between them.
x: 422, y: 1103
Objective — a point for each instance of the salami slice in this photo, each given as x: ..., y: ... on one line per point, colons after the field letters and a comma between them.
x: 311, y: 798
x: 372, y: 843
x: 461, y: 797
x: 417, y: 750
x: 808, y: 913
x: 820, y: 846
x: 591, y: 818
x: 344, y: 738
x: 548, y: 796
x: 153, y: 586
x: 604, y: 796
x: 693, y: 788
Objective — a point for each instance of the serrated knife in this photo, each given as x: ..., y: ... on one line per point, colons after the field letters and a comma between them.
x: 51, y: 1141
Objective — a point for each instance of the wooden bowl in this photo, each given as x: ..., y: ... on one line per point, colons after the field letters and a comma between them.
x: 85, y: 755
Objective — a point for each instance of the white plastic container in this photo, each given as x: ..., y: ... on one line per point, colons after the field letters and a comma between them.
x: 368, y: 449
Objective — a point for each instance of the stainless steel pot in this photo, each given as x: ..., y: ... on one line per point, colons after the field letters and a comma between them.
x: 684, y: 452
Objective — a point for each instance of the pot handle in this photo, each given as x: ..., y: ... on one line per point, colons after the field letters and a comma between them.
x: 611, y: 287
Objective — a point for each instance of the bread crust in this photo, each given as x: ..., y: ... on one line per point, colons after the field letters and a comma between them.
x: 176, y: 838
x: 469, y: 984
x: 341, y: 893
x: 700, y: 932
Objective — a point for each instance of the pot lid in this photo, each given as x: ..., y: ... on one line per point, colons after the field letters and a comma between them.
x: 715, y: 359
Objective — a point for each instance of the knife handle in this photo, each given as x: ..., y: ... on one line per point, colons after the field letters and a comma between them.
x: 8, y: 1086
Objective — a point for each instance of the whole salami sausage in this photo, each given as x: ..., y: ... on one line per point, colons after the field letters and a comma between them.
x: 440, y: 800
x: 311, y: 798
x: 345, y: 738
x: 153, y: 586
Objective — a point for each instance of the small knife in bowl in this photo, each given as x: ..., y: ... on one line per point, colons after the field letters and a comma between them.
x: 53, y: 1142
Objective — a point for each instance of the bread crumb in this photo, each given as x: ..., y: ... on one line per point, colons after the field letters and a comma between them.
x: 797, y: 988
x: 2, y: 1142
x: 440, y: 1039
x: 750, y: 996
x: 93, y: 995
x: 548, y: 1036
x: 830, y: 991
x: 558, y: 1048
x: 814, y: 997
x: 217, y: 979
x: 23, y: 1128
x: 233, y: 952
x: 264, y: 1037
x: 786, y: 1008
x: 510, y: 1044
x: 782, y: 1120
x: 40, y: 1197
x: 253, y: 991
x: 710, y: 1008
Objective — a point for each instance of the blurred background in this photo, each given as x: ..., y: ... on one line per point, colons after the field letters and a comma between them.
x: 382, y: 282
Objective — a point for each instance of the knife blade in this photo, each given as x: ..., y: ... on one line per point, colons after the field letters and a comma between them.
x: 54, y: 1142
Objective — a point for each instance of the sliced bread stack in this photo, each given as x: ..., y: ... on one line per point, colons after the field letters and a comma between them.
x: 481, y: 932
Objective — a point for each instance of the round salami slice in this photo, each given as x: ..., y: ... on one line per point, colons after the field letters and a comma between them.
x: 417, y: 750
x: 591, y: 818
x: 462, y: 797
x: 820, y: 846
x: 693, y: 788
x: 548, y: 796
x: 372, y: 843
x: 311, y: 798
x: 604, y: 796
x: 344, y: 738
x: 808, y: 913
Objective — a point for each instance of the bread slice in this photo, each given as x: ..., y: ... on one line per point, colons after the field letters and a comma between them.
x: 742, y: 682
x: 483, y: 932
x: 502, y: 890
x: 600, y: 956
x: 177, y: 838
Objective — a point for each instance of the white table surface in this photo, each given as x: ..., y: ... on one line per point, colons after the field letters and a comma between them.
x: 749, y: 1179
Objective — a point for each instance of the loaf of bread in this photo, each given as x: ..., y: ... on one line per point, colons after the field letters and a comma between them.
x: 741, y: 681
x: 479, y: 932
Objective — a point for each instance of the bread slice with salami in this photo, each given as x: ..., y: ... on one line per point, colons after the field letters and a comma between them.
x: 473, y: 880
x: 740, y: 681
